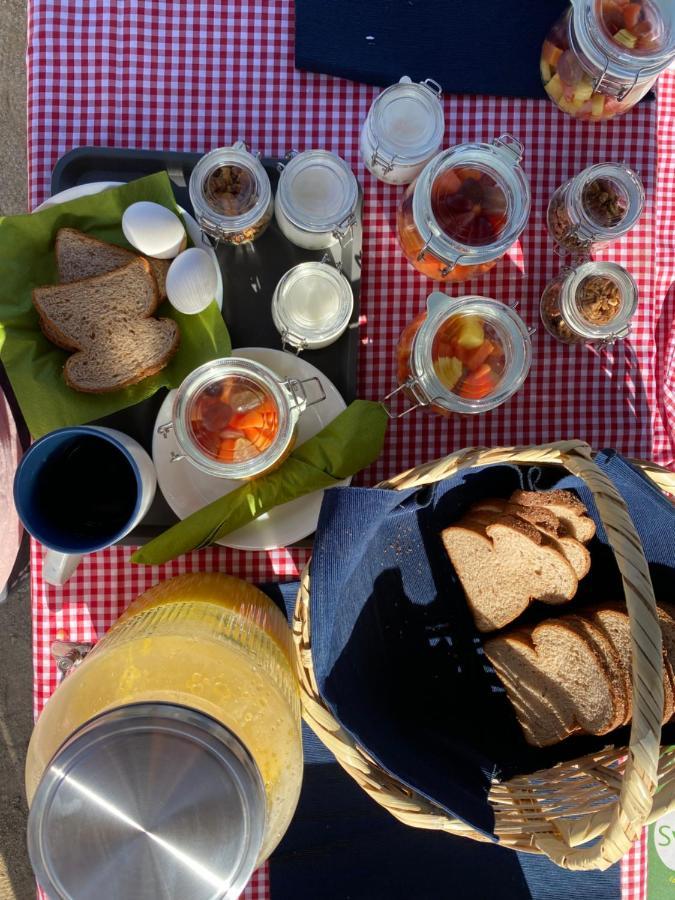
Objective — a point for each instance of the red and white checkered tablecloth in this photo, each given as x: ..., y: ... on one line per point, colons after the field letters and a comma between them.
x: 192, y: 76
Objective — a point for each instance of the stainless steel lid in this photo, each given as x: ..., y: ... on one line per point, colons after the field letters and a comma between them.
x: 150, y: 800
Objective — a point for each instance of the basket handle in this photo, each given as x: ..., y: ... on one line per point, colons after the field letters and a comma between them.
x: 631, y: 808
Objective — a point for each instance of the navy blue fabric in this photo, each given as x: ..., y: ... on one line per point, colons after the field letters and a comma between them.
x: 396, y: 656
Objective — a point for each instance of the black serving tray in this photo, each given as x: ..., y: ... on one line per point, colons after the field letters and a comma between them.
x: 250, y: 274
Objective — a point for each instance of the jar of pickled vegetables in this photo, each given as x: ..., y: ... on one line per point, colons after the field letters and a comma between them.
x: 168, y: 763
x: 593, y: 303
x: 462, y: 355
x: 464, y: 211
x: 597, y: 206
x: 231, y: 195
x: 602, y: 56
x: 403, y: 130
x: 234, y: 418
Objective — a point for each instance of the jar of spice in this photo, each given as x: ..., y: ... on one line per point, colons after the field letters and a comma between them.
x: 464, y: 211
x: 597, y: 206
x: 316, y: 200
x: 311, y: 306
x: 403, y: 130
x: 593, y: 303
x: 462, y: 355
x: 231, y: 195
x: 602, y: 56
x: 234, y: 418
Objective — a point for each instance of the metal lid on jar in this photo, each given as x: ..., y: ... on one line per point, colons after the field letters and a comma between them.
x: 222, y: 390
x: 500, y: 162
x: 598, y: 301
x: 406, y: 122
x: 506, y: 325
x: 608, y: 200
x: 148, y: 800
x: 312, y: 305
x: 229, y: 190
x: 318, y: 192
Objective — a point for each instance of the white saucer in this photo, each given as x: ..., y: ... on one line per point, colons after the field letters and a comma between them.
x: 193, y: 229
x: 187, y: 489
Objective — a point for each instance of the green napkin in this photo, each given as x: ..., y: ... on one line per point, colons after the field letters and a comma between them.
x: 349, y: 443
x: 33, y: 364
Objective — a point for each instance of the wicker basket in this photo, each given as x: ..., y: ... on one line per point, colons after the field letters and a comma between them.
x: 601, y: 800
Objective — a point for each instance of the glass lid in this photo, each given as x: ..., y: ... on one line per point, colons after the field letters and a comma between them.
x: 312, y: 302
x: 599, y: 300
x: 407, y: 121
x: 317, y: 191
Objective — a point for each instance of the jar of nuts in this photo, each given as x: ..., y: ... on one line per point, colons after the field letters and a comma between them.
x: 231, y: 195
x: 593, y: 303
x: 597, y: 206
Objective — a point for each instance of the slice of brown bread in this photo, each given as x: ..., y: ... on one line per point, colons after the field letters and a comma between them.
x: 567, y: 507
x: 614, y: 624
x: 107, y: 319
x: 80, y: 256
x: 666, y: 614
x: 609, y: 659
x: 558, y: 664
x: 505, y: 565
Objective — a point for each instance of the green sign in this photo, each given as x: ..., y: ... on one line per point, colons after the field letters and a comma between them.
x: 661, y: 867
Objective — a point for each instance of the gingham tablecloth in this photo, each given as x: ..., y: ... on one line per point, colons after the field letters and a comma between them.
x: 195, y: 75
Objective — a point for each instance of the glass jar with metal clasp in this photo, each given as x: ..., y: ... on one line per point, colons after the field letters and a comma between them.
x: 231, y: 195
x: 234, y: 418
x: 316, y: 201
x: 462, y: 355
x: 403, y: 130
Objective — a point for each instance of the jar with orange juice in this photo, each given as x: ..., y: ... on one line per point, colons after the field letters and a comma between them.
x: 178, y: 739
x: 462, y: 355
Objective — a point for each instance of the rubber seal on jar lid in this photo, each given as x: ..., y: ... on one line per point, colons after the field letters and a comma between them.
x: 407, y: 123
x: 317, y: 191
x: 312, y: 305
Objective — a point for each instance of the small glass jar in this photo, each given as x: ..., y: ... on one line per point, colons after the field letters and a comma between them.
x: 602, y: 56
x: 311, y: 306
x: 316, y: 200
x: 403, y: 130
x: 463, y: 355
x: 231, y: 195
x: 593, y: 303
x: 468, y: 206
x: 233, y: 418
x: 597, y: 206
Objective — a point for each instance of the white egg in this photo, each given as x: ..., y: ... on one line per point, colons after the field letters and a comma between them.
x: 153, y: 230
x: 191, y: 281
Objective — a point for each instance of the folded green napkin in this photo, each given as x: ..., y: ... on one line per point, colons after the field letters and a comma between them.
x: 33, y: 364
x: 349, y: 443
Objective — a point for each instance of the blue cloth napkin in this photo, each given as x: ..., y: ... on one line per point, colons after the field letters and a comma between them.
x: 396, y: 656
x: 468, y: 46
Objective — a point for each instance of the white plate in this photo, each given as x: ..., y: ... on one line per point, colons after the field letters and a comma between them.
x: 95, y: 187
x: 187, y: 489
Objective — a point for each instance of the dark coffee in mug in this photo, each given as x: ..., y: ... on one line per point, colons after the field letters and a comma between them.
x: 87, y: 488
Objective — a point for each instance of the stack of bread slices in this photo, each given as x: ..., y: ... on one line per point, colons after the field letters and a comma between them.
x: 102, y: 313
x: 566, y: 675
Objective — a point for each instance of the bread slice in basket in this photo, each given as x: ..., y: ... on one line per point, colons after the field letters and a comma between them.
x: 107, y: 320
x: 80, y: 256
x: 568, y: 508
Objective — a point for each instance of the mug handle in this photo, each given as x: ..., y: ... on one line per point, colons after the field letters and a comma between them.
x: 58, y: 567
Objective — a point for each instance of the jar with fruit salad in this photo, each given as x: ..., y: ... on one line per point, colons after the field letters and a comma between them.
x: 462, y: 355
x: 593, y: 303
x: 468, y: 206
x: 602, y: 56
x: 234, y: 418
x: 597, y: 206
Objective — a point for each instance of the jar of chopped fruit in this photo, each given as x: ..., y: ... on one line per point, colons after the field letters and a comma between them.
x: 464, y: 211
x: 593, y: 303
x: 597, y: 206
x: 462, y: 355
x: 234, y: 418
x: 231, y: 195
x: 602, y: 56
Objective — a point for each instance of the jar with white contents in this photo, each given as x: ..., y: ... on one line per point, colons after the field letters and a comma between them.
x: 403, y: 130
x: 231, y: 195
x: 593, y: 304
x: 312, y: 306
x: 316, y: 200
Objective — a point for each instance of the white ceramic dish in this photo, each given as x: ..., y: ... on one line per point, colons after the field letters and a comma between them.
x: 95, y: 187
x: 186, y: 489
